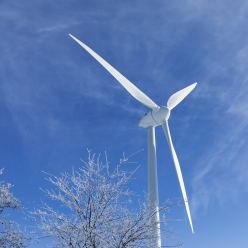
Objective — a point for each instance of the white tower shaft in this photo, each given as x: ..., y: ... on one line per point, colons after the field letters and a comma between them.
x: 155, y: 239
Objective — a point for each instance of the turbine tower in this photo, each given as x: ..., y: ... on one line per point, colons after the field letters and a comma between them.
x: 156, y: 116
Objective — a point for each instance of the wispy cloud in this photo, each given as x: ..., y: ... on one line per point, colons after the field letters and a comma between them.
x: 41, y: 66
x: 221, y: 173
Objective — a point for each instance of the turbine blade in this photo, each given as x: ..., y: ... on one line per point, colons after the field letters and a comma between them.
x: 132, y: 89
x: 179, y: 96
x: 178, y: 170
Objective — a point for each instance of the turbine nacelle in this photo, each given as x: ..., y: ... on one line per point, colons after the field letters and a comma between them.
x: 155, y: 118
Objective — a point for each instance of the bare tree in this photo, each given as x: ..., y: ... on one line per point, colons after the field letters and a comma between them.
x: 97, y: 209
x: 10, y: 232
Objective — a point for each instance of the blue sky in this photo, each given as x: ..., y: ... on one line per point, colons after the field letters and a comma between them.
x: 56, y: 100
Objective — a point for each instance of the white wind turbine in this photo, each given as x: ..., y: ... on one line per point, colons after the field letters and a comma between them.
x: 156, y: 116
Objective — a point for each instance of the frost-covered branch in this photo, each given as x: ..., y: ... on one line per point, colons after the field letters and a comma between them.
x: 11, y: 234
x: 95, y: 209
x: 7, y: 200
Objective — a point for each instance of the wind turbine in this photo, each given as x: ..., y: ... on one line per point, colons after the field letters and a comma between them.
x: 156, y: 116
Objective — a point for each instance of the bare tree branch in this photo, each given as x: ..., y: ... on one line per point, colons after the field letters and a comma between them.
x: 10, y: 232
x: 97, y: 211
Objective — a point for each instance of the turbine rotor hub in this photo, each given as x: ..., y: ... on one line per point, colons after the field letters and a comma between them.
x: 155, y: 118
